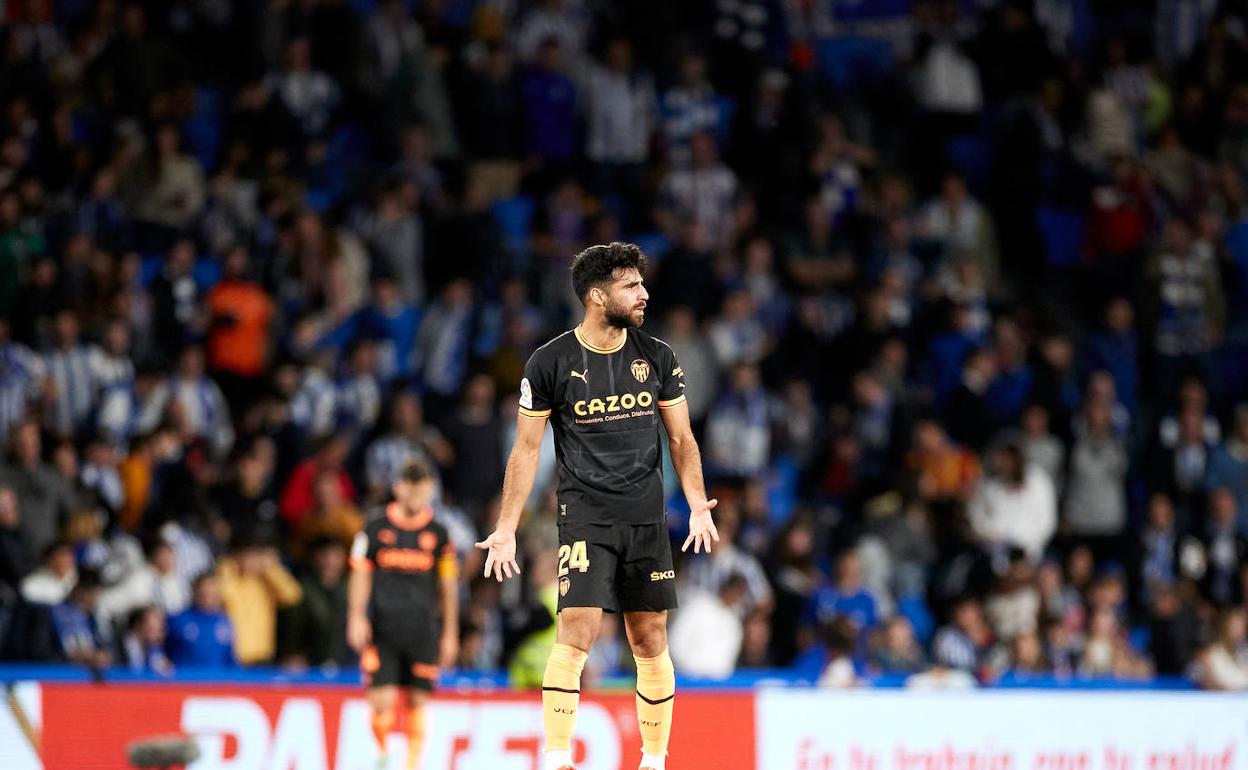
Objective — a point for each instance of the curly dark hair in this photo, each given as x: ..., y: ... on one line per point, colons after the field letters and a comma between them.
x: 596, y: 265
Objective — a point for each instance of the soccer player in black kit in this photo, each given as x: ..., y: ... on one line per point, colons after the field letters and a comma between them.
x: 605, y: 386
x: 404, y: 575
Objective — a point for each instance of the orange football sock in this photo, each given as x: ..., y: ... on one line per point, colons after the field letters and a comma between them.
x: 656, y: 687
x: 383, y: 722
x: 561, y: 693
x: 415, y: 734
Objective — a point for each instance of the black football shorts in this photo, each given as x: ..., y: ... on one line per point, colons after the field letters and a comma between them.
x: 407, y: 660
x: 617, y: 567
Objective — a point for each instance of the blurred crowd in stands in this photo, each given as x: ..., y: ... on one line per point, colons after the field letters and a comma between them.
x: 960, y: 288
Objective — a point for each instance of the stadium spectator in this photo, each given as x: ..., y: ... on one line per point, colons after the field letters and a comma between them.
x: 620, y: 116
x: 253, y: 586
x: 703, y: 191
x: 491, y: 109
x: 410, y: 437
x: 298, y: 498
x: 21, y: 381
x: 1015, y: 506
x: 756, y: 641
x: 194, y: 402
x: 308, y: 94
x: 240, y: 312
x: 963, y: 642
x: 1172, y: 631
x: 690, y: 106
x: 1060, y: 603
x: 1114, y: 349
x: 1040, y: 446
x: 80, y: 639
x: 357, y: 397
x: 1229, y: 466
x: 155, y: 583
x: 312, y: 632
x: 1026, y: 659
x: 14, y: 564
x: 1095, y: 509
x: 165, y: 189
x: 246, y: 498
x: 846, y: 596
x: 840, y: 638
x: 143, y: 646
x: 1225, y: 551
x: 553, y: 19
x: 174, y: 296
x: 943, y: 470
x: 71, y: 376
x: 738, y: 430
x: 202, y: 634
x: 795, y: 576
x: 1223, y: 665
x: 475, y: 430
x: 897, y: 651
x: 332, y: 517
x: 550, y: 105
x: 961, y: 226
x: 56, y: 576
x: 707, y: 631
x: 1013, y: 607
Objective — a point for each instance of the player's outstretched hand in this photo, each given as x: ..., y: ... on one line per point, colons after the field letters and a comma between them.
x: 500, y: 557
x: 701, y: 528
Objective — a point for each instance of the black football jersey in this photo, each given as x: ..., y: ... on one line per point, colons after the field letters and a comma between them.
x: 407, y: 556
x: 604, y: 408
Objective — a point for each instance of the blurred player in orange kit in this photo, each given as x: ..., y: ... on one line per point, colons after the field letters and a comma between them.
x: 404, y: 575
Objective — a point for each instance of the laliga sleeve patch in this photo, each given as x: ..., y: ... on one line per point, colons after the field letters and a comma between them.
x: 526, y: 394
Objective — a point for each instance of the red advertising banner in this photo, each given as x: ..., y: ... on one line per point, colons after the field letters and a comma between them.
x: 326, y: 728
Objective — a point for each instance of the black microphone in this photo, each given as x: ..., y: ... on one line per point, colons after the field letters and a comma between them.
x: 162, y: 751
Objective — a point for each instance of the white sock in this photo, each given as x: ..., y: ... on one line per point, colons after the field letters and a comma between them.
x: 557, y: 758
x: 653, y: 761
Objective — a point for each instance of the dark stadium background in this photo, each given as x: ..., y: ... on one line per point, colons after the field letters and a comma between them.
x: 960, y: 289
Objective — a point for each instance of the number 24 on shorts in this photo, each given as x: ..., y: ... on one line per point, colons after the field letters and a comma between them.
x: 574, y: 556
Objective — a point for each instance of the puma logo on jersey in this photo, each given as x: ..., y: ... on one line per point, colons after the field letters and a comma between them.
x: 581, y: 375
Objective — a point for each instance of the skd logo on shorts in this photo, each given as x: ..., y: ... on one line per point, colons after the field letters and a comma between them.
x: 641, y: 369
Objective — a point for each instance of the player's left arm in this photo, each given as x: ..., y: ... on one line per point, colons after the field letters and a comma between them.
x: 688, y: 463
x: 448, y: 589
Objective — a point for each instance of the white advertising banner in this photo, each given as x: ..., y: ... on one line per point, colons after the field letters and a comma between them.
x: 1001, y: 730
x: 20, y: 721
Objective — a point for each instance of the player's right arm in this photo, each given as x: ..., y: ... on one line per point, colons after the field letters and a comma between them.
x: 359, y: 589
x: 536, y: 405
x: 500, y: 546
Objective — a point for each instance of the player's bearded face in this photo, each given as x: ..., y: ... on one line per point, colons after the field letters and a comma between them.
x: 626, y: 305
